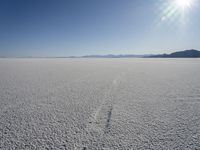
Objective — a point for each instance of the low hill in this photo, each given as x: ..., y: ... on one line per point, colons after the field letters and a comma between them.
x: 114, y: 56
x: 181, y: 54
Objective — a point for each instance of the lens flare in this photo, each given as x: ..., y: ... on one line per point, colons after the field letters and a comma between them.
x: 176, y: 10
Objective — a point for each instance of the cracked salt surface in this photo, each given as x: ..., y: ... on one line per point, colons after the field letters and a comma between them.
x: 99, y: 104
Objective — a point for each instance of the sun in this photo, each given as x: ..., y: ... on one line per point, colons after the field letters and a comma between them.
x: 184, y: 3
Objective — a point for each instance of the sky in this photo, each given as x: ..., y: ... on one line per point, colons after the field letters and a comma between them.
x: 89, y: 27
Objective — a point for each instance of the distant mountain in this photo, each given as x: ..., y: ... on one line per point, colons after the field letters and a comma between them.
x: 181, y: 54
x: 115, y: 56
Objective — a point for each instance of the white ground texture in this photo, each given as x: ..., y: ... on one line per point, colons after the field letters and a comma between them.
x: 99, y: 104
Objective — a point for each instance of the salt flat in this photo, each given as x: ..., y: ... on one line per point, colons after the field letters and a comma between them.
x: 99, y: 104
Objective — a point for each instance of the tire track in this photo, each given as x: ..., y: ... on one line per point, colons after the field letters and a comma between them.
x: 99, y: 124
x: 108, y: 119
x: 100, y: 120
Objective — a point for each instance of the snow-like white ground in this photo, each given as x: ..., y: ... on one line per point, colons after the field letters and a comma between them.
x: 99, y: 104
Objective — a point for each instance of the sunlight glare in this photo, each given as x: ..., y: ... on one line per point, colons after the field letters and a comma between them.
x: 184, y: 3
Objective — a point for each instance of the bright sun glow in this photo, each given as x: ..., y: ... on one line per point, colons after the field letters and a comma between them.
x: 177, y: 8
x: 184, y: 3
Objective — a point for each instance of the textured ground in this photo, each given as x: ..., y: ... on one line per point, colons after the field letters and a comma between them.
x: 99, y: 104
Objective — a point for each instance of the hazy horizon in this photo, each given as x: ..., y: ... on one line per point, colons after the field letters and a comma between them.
x: 79, y: 56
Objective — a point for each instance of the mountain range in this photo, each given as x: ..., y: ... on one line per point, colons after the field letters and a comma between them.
x: 180, y: 54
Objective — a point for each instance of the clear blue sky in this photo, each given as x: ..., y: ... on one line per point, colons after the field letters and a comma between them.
x: 81, y: 27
